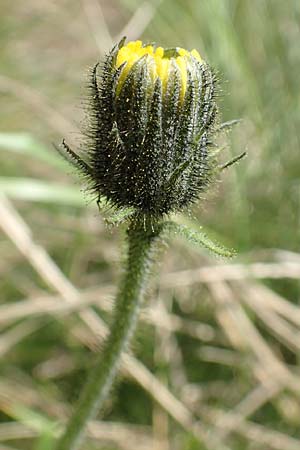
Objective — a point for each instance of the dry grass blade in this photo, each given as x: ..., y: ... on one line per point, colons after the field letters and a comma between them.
x: 232, y: 272
x: 120, y: 434
x: 98, y: 25
x: 15, y: 430
x: 53, y: 305
x: 249, y: 336
x: 174, y: 323
x: 166, y: 353
x: 283, y: 330
x: 14, y: 335
x: 273, y: 301
x: 18, y: 231
x: 125, y: 436
x: 139, y: 21
x: 219, y: 355
x: 262, y: 435
x: 20, y: 234
x: 286, y: 255
x: 260, y: 395
x: 267, y: 304
x: 17, y: 393
x: 101, y: 297
x: 271, y: 372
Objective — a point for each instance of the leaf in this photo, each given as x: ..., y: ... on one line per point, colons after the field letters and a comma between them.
x: 233, y: 161
x: 176, y: 174
x: 199, y: 238
x: 228, y: 125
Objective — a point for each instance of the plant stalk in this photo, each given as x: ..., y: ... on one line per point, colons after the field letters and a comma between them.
x: 127, y: 304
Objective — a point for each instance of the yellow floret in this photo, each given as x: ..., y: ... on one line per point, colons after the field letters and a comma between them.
x: 149, y: 49
x: 159, y: 52
x: 196, y: 55
x: 182, y: 52
x: 162, y: 71
x: 181, y: 63
x: 159, y: 64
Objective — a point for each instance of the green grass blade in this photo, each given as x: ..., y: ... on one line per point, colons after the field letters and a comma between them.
x: 40, y: 191
x: 25, y: 144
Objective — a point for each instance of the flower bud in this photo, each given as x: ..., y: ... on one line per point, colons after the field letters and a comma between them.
x: 152, y: 114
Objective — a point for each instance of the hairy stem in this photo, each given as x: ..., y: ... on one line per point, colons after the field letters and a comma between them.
x: 127, y: 304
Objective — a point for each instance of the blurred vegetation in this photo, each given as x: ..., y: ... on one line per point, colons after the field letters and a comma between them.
x: 46, y: 49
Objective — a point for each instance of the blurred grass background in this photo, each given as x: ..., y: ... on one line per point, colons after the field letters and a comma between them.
x: 222, y: 338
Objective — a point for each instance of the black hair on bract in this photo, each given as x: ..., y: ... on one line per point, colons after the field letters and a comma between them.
x: 148, y: 140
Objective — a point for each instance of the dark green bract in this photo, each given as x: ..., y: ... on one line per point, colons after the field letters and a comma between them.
x: 149, y: 148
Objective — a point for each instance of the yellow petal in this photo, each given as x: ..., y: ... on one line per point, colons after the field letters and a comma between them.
x: 182, y: 52
x: 158, y: 63
x: 181, y: 63
x: 196, y: 55
x: 159, y: 52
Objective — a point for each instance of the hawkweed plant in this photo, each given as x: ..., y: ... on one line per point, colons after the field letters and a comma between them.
x: 149, y: 153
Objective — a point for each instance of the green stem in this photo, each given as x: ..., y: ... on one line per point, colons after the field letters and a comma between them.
x: 127, y: 304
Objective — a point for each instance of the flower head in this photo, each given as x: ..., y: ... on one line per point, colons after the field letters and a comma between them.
x: 152, y: 114
x: 160, y: 61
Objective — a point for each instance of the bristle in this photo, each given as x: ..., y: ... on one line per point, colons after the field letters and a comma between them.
x: 148, y: 138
